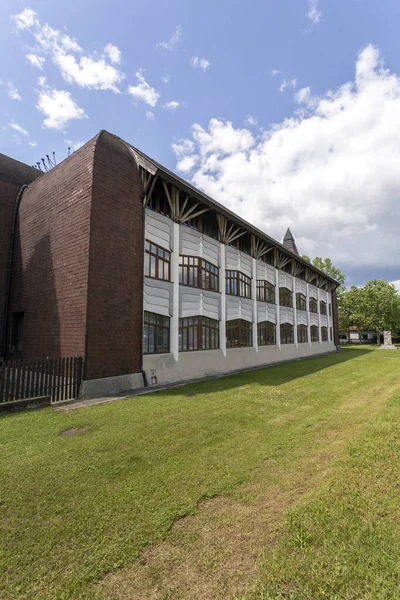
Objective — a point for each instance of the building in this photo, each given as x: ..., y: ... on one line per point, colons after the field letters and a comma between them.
x: 357, y: 337
x: 118, y: 260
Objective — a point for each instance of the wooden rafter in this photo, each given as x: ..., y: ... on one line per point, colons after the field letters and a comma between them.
x: 283, y: 260
x: 298, y: 268
x: 259, y: 248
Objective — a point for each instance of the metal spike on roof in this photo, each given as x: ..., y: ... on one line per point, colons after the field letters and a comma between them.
x: 289, y: 243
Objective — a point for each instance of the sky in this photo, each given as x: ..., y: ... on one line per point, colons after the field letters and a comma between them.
x: 287, y: 112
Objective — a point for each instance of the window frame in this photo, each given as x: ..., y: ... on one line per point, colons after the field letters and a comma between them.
x: 265, y: 291
x: 285, y: 297
x: 287, y: 333
x: 198, y: 330
x: 244, y: 333
x: 313, y: 305
x: 203, y: 271
x: 302, y: 334
x: 301, y: 301
x: 157, y: 325
x: 322, y: 307
x: 239, y: 281
x: 159, y: 258
x: 266, y: 333
x: 324, y: 334
x: 314, y: 333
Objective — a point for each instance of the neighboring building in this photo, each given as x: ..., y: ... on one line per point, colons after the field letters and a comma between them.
x: 357, y: 337
x: 118, y: 260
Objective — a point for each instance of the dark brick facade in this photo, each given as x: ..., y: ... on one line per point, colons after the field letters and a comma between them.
x: 77, y: 272
x: 13, y: 175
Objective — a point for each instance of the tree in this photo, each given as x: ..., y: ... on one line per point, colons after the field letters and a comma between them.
x: 327, y: 266
x: 376, y: 306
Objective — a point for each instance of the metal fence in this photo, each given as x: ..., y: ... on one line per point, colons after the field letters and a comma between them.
x: 59, y: 378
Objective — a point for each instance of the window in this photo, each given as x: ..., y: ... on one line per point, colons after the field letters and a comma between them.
x: 302, y: 336
x: 314, y: 333
x: 17, y: 328
x: 198, y: 333
x: 324, y: 334
x: 330, y: 332
x: 268, y: 258
x: 287, y: 333
x: 159, y: 203
x: 322, y: 307
x: 285, y: 297
x: 238, y: 333
x: 301, y: 302
x: 156, y: 262
x: 199, y: 273
x: 155, y: 334
x: 313, y: 305
x: 238, y: 284
x: 330, y: 309
x: 266, y: 333
x: 265, y: 291
x: 288, y: 267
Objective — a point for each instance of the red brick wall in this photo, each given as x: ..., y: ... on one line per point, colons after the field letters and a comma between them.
x: 335, y: 319
x: 115, y: 297
x: 51, y: 263
x: 13, y: 174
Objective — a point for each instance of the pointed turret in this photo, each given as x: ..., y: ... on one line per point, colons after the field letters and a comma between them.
x: 289, y: 243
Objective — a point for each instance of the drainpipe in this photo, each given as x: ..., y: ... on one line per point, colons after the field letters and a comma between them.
x: 9, y: 271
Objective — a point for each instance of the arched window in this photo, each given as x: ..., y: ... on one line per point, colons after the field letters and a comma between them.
x: 313, y: 305
x: 287, y: 333
x: 314, y: 333
x: 324, y: 334
x: 322, y: 307
x: 302, y: 336
x: 238, y: 333
x: 301, y: 302
x: 265, y: 291
x: 266, y: 333
x: 285, y: 297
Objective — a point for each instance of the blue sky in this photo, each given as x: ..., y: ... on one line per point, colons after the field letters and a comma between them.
x: 257, y: 103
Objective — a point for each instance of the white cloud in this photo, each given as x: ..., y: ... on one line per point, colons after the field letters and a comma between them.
x: 174, y: 39
x: 250, y: 121
x: 275, y: 72
x: 97, y: 70
x: 287, y: 83
x: 113, y: 53
x: 26, y: 19
x: 58, y: 107
x: 314, y: 14
x: 166, y: 78
x: 143, y: 91
x: 150, y: 115
x: 199, y: 63
x: 19, y: 129
x: 396, y: 284
x: 303, y: 96
x: 13, y: 92
x: 36, y: 60
x: 172, y: 105
x: 330, y: 172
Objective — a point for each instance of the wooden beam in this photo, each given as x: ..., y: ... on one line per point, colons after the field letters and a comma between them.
x: 193, y: 215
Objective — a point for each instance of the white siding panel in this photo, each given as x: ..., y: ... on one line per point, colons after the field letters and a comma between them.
x: 287, y: 315
x: 238, y: 261
x: 266, y: 312
x: 239, y: 308
x: 324, y: 321
x: 313, y: 319
x: 246, y: 264
x: 301, y: 287
x: 323, y: 295
x: 211, y: 249
x: 211, y: 305
x: 271, y: 274
x: 190, y: 302
x: 312, y: 291
x: 158, y: 229
x: 285, y: 280
x: 246, y: 309
x: 302, y: 317
x: 261, y: 270
x: 189, y: 241
x: 157, y: 297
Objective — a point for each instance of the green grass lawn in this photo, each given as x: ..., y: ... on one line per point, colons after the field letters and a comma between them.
x: 73, y: 509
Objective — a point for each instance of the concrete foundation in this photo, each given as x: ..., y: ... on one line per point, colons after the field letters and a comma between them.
x: 108, y: 386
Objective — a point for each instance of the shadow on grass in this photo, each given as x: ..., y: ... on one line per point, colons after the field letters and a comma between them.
x: 271, y: 375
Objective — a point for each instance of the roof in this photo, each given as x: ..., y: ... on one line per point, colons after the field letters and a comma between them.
x: 289, y: 243
x: 154, y: 167
x: 14, y: 171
